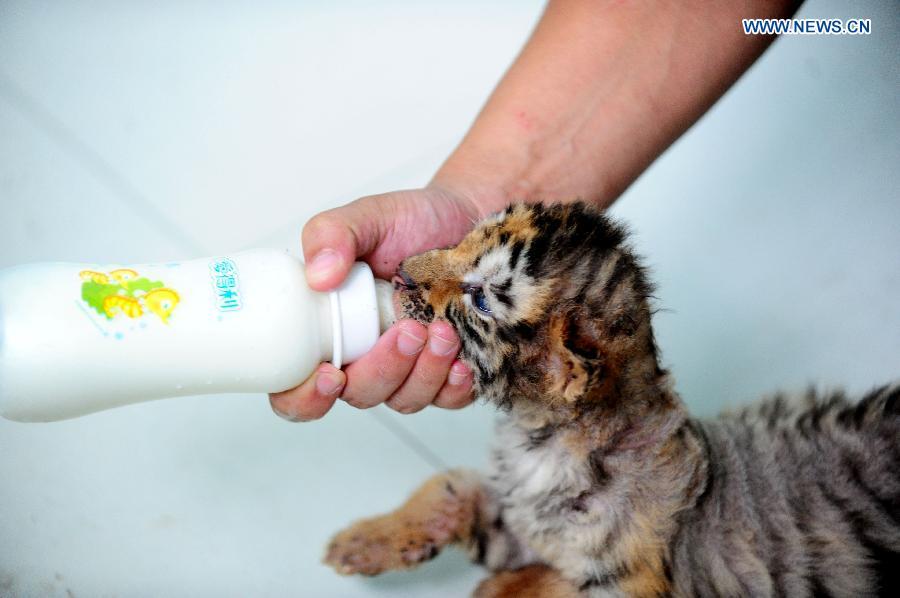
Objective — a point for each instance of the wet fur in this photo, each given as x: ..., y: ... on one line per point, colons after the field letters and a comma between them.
x: 601, y: 485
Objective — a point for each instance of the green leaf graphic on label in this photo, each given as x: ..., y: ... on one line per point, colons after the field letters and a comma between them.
x: 94, y: 293
x: 123, y: 292
x: 141, y: 284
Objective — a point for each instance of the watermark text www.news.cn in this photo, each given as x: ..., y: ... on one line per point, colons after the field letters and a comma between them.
x: 807, y: 26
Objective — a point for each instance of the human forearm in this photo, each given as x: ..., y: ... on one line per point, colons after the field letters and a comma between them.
x: 600, y: 90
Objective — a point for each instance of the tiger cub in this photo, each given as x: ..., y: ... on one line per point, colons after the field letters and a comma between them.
x: 601, y: 484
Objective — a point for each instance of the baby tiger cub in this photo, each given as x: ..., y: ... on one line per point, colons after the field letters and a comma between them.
x: 601, y: 484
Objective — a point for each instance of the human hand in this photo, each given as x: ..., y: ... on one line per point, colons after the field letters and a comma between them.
x: 411, y: 365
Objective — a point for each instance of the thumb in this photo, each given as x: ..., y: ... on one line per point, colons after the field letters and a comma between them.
x: 334, y: 239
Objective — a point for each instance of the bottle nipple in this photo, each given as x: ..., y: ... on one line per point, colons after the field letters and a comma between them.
x: 384, y: 295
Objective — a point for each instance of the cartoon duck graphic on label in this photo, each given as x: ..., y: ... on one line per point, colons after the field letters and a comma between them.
x: 125, y: 292
x: 123, y: 275
x: 98, y: 277
x: 162, y: 302
x: 114, y: 305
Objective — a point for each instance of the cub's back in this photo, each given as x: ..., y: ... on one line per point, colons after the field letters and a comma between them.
x: 802, y: 498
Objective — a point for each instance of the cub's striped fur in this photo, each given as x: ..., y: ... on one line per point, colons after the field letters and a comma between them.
x: 601, y: 484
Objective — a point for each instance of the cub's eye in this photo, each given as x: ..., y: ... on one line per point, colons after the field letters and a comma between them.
x: 476, y: 293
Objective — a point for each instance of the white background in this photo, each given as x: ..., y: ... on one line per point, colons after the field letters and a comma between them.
x: 133, y: 133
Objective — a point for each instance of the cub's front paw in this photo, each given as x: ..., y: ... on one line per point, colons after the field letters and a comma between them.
x: 440, y: 512
x: 381, y: 544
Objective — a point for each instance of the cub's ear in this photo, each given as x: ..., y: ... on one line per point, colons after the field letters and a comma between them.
x: 576, y: 355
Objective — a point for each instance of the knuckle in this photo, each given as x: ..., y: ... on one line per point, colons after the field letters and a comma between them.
x: 358, y: 403
x: 405, y: 407
x: 309, y: 416
x: 390, y: 374
x: 456, y: 400
x: 283, y: 409
x: 320, y: 221
x: 431, y: 377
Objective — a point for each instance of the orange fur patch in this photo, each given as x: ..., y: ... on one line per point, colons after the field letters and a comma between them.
x: 535, y: 581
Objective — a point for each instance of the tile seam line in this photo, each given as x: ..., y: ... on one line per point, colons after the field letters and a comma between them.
x: 43, y: 119
x: 408, y: 438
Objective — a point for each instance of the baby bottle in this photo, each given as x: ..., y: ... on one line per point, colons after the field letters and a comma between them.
x: 77, y: 338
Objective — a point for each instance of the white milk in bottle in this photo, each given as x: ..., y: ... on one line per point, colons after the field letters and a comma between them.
x: 78, y: 338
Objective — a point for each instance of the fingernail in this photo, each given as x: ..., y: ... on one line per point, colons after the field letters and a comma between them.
x: 328, y: 383
x: 441, y: 346
x: 323, y: 264
x: 408, y: 342
x: 458, y: 374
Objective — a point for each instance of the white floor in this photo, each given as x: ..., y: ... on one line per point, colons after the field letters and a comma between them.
x: 130, y: 133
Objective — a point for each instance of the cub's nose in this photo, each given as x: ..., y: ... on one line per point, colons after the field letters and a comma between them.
x: 402, y: 280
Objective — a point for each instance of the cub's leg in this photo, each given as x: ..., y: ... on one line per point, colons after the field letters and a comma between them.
x: 450, y: 508
x: 534, y: 581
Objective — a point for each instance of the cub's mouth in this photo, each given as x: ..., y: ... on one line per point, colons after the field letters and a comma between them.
x: 409, y: 301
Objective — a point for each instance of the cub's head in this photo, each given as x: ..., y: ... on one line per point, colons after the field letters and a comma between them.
x: 549, y: 303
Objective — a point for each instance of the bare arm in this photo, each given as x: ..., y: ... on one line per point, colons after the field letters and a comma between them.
x: 601, y: 89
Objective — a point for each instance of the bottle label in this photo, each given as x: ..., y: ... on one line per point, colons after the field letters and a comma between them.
x: 124, y: 294
x: 226, y: 284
